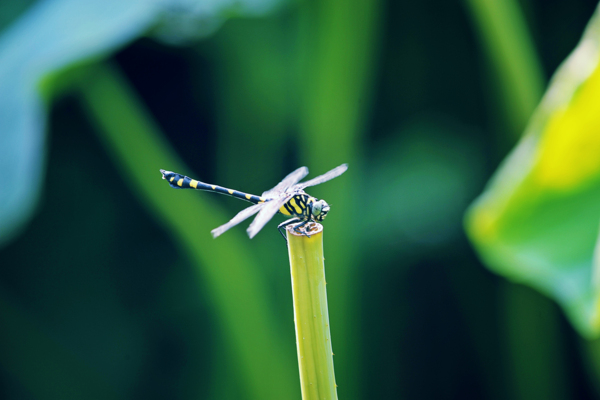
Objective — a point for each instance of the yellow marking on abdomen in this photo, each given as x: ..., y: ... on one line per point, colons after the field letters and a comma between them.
x: 180, y: 182
x: 230, y: 191
x: 284, y: 210
x: 194, y: 183
x: 296, y: 207
x: 248, y: 196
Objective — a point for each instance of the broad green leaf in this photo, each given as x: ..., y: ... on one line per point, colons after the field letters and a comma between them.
x: 537, y: 221
x: 56, y: 34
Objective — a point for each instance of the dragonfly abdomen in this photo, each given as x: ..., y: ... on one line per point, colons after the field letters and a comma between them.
x: 179, y: 181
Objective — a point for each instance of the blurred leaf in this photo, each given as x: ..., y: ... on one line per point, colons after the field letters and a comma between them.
x: 10, y: 9
x: 52, y: 36
x: 537, y: 222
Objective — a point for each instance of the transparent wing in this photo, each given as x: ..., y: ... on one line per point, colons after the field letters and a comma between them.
x: 337, y: 171
x: 266, y: 214
x: 242, y: 215
x: 288, y: 181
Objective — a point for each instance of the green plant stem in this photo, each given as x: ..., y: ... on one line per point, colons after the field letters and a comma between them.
x: 138, y: 148
x: 338, y: 49
x: 315, y: 355
x: 506, y: 39
x: 477, y: 294
x: 531, y: 322
x: 535, y: 349
x: 591, y: 356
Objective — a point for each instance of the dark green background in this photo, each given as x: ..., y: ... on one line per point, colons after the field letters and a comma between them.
x: 94, y: 278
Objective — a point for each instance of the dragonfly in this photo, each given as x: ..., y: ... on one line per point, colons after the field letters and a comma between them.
x: 287, y: 198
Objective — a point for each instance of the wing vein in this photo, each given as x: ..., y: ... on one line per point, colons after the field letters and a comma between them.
x: 287, y: 182
x: 265, y: 215
x: 241, y: 216
x: 337, y: 171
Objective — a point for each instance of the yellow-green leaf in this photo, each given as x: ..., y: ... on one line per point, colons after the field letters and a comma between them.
x: 537, y: 221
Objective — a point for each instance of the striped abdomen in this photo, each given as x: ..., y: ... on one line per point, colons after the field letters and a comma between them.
x: 179, y: 181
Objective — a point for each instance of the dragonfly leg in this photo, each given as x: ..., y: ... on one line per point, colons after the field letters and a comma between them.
x: 281, y: 226
x: 300, y: 225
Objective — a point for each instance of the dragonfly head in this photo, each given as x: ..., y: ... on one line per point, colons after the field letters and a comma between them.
x: 320, y: 208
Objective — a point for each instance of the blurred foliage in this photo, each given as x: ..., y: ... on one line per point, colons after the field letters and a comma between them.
x: 115, y: 288
x: 54, y: 35
x: 537, y: 222
x: 509, y: 46
x: 105, y: 96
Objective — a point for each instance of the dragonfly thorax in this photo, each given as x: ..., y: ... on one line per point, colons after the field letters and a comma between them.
x: 305, y: 207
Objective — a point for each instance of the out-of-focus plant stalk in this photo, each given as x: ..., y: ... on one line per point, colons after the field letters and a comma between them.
x: 132, y: 137
x: 315, y: 355
x: 339, y: 46
x: 530, y: 323
x: 508, y: 43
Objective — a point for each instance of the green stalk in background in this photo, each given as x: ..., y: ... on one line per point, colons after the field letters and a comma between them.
x: 338, y: 48
x: 315, y: 355
x: 535, y: 345
x: 530, y: 323
x: 505, y: 38
x: 135, y: 143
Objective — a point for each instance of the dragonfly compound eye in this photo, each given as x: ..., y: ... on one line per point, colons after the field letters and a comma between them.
x: 320, y: 209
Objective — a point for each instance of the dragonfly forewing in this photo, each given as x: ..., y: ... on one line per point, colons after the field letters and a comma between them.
x: 337, y: 171
x: 241, y: 216
x: 287, y: 182
x: 265, y: 215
